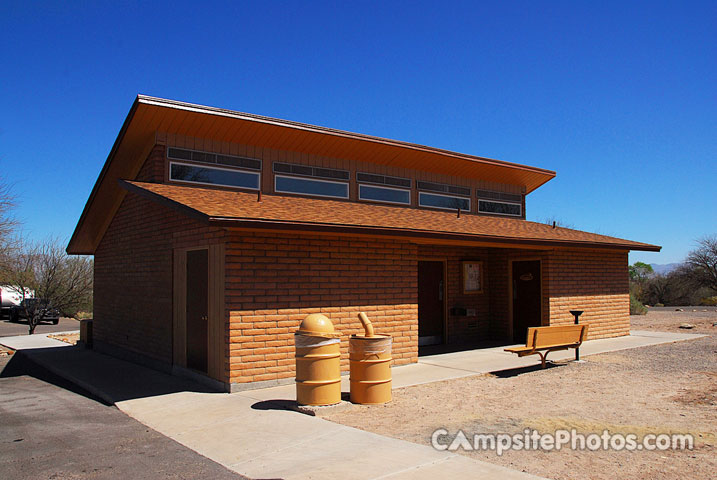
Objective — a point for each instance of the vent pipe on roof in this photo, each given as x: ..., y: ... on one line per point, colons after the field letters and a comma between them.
x: 459, y: 212
x: 553, y: 223
x: 258, y: 195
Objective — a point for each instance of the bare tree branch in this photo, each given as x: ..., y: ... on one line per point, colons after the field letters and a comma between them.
x: 704, y: 262
x: 58, y: 281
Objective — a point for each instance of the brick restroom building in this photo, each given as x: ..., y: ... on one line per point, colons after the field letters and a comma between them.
x: 216, y: 232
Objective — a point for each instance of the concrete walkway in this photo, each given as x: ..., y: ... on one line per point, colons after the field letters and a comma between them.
x: 471, y: 362
x: 254, y: 434
x: 25, y: 342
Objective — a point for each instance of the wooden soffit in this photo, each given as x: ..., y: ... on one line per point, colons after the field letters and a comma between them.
x: 150, y: 115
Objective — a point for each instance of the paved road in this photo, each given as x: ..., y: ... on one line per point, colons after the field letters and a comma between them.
x: 48, y: 431
x: 9, y: 329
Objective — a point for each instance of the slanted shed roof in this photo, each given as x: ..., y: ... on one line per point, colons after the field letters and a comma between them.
x: 150, y: 115
x: 232, y: 208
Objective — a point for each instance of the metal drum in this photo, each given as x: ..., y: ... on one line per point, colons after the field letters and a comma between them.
x: 370, y: 361
x: 318, y: 362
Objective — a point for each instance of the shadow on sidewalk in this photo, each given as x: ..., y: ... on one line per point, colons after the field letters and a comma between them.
x: 20, y: 365
x: 96, y: 375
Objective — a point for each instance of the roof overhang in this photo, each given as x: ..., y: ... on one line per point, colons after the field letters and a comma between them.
x: 150, y: 115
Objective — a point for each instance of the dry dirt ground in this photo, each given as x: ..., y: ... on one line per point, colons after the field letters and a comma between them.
x: 71, y: 338
x: 670, y: 388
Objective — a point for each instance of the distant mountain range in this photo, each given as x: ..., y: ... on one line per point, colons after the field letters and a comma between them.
x: 663, y: 269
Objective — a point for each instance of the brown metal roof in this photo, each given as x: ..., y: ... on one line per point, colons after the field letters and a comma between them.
x: 149, y: 115
x: 240, y: 209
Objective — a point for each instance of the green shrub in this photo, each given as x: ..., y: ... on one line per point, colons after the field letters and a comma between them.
x: 636, y: 307
x: 709, y: 301
x: 659, y: 304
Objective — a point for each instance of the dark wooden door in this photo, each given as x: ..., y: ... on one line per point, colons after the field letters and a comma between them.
x: 197, y: 309
x: 430, y: 303
x: 526, y: 298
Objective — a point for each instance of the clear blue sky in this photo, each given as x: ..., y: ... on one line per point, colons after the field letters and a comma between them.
x: 619, y: 98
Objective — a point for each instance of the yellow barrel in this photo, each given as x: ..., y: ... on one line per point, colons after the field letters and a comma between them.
x: 370, y: 362
x: 318, y: 362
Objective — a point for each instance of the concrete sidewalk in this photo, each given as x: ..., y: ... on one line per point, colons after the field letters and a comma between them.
x: 249, y: 432
x: 39, y: 340
x: 254, y: 434
x: 447, y: 366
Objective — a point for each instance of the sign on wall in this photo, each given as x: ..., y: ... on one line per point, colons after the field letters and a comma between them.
x: 472, y: 276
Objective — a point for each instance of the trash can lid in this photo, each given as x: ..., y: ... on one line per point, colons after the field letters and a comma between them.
x: 317, y: 325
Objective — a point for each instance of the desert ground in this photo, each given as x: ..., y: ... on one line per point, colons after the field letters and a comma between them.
x: 670, y: 388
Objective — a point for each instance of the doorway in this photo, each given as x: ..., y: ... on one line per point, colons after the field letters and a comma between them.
x: 197, y: 309
x: 199, y: 313
x: 431, y: 303
x: 526, y: 298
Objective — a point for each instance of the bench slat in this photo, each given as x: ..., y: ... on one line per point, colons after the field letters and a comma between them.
x: 550, y: 339
x: 544, y: 337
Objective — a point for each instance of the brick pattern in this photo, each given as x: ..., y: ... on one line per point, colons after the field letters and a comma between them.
x: 133, y: 271
x: 275, y: 280
x: 154, y: 168
x: 464, y: 329
x: 593, y: 281
x: 492, y: 320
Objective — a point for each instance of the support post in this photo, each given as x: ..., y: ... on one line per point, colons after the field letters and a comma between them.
x: 576, y: 314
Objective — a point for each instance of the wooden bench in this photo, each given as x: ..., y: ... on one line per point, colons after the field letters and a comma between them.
x: 543, y: 340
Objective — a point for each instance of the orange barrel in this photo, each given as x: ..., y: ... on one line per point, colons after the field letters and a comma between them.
x: 370, y: 360
x: 318, y: 362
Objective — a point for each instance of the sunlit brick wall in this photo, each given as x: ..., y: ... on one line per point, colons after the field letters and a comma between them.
x: 595, y: 281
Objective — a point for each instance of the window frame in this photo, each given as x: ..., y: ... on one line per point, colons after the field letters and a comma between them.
x: 212, y: 167
x: 368, y: 182
x: 470, y: 206
x: 373, y: 185
x: 216, y: 155
x: 312, y: 179
x: 520, y: 206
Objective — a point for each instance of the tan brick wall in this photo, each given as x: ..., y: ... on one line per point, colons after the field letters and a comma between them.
x: 275, y: 280
x: 133, y: 271
x: 595, y: 281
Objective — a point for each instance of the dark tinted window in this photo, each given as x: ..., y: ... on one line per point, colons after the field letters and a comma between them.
x: 214, y: 176
x: 381, y: 194
x: 441, y: 187
x: 383, y: 179
x: 307, y: 186
x: 307, y: 171
x: 206, y: 157
x: 499, y: 208
x: 489, y: 195
x: 443, y: 201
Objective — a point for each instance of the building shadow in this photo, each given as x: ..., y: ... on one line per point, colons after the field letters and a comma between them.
x: 97, y: 376
x: 429, y: 350
x: 20, y: 365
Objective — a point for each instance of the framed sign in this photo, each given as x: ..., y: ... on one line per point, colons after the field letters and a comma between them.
x: 472, y: 276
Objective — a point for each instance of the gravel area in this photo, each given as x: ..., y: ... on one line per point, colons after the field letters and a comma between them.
x: 71, y: 338
x: 670, y: 388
